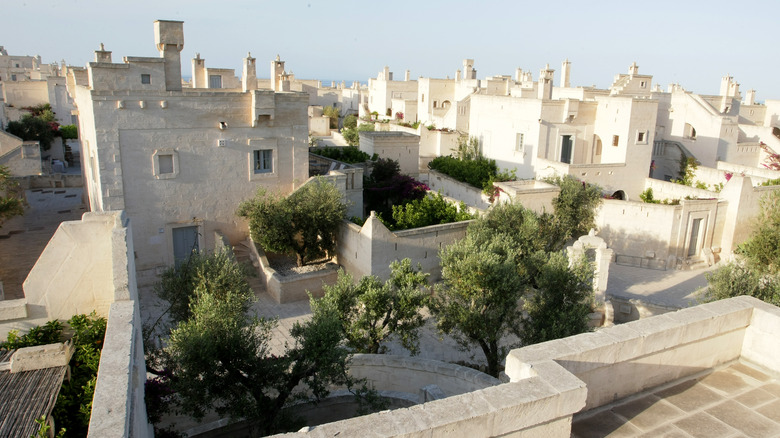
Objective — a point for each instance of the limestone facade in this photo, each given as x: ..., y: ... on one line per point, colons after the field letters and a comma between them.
x: 180, y: 160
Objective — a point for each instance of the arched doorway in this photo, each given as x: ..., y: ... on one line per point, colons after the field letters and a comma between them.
x: 619, y: 195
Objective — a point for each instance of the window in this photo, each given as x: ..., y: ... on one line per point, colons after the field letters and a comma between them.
x: 519, y: 142
x: 215, y: 81
x: 435, y: 103
x: 567, y: 148
x: 166, y: 163
x: 422, y: 99
x: 642, y: 84
x: 146, y: 79
x: 615, y: 140
x: 689, y: 132
x: 13, y: 77
x: 263, y: 161
x: 640, y: 137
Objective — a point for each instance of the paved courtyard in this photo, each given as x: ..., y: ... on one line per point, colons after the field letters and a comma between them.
x: 671, y: 288
x: 22, y: 239
x: 735, y: 401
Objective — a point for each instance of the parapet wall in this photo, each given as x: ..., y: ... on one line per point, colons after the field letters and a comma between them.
x: 448, y: 186
x: 369, y: 250
x: 625, y: 359
x: 287, y: 289
x: 387, y: 372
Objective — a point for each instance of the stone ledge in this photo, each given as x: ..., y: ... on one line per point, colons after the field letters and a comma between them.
x: 13, y: 309
x: 41, y: 356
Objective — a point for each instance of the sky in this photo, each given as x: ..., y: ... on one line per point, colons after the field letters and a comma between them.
x: 686, y: 42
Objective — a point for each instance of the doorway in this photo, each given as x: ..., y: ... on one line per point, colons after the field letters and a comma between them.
x: 185, y: 241
x: 566, y: 149
x: 693, y: 247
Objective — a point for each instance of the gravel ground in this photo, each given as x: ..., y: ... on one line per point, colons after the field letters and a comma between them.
x: 286, y: 265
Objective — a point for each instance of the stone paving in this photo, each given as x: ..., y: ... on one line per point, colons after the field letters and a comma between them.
x: 22, y: 239
x: 432, y: 345
x: 670, y: 288
x: 736, y: 401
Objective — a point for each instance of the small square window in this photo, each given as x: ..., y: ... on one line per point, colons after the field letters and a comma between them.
x: 263, y: 161
x: 615, y: 140
x: 166, y: 164
x: 642, y: 84
x: 146, y: 79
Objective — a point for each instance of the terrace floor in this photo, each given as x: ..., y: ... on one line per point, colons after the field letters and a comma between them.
x: 736, y: 401
x: 23, y: 238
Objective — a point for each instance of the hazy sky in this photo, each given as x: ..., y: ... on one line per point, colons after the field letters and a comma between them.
x: 687, y: 42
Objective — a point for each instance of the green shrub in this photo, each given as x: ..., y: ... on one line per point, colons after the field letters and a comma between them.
x: 69, y: 132
x: 430, y: 210
x: 350, y: 122
x: 771, y: 182
x: 349, y: 154
x: 73, y: 408
x: 477, y: 173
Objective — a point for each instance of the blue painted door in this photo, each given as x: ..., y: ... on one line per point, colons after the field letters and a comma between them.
x: 185, y: 241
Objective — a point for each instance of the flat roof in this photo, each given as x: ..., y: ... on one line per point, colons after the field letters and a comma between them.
x: 737, y: 400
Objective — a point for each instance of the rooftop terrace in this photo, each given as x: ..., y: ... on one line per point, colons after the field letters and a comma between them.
x: 738, y: 400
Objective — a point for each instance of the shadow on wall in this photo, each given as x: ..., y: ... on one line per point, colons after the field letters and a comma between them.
x: 639, y: 249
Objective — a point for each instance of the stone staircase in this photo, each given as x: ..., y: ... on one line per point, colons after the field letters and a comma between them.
x: 243, y: 253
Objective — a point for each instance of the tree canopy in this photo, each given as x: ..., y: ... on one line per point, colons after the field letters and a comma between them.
x: 39, y: 126
x: 305, y: 223
x: 508, y: 277
x: 10, y: 203
x: 218, y: 357
x: 575, y: 207
x: 371, y: 311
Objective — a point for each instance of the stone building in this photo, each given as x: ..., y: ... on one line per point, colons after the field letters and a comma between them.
x: 180, y: 160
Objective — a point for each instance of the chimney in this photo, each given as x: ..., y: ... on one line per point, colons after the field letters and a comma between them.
x: 249, y: 77
x: 565, y: 74
x: 169, y: 38
x: 102, y: 55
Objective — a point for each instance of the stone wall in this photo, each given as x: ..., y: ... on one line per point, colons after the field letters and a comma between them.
x: 292, y: 287
x: 758, y: 174
x: 89, y: 265
x: 669, y: 190
x: 622, y: 360
x: 399, y: 146
x: 50, y: 181
x: 531, y: 194
x: 448, y: 186
x: 369, y: 250
x: 387, y: 372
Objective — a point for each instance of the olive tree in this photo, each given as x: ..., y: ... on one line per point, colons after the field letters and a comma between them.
x: 479, y: 301
x: 507, y: 277
x: 371, y: 311
x: 305, y: 223
x: 217, y: 358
